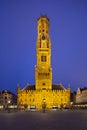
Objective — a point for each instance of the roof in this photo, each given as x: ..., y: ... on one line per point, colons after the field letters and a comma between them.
x: 7, y: 91
x: 82, y: 89
x: 29, y: 87
x: 54, y: 87
x: 57, y: 87
x: 43, y: 16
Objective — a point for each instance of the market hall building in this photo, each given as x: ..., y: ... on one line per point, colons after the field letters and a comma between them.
x: 43, y: 92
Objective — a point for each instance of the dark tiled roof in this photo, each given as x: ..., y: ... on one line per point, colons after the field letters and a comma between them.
x: 54, y: 87
x: 82, y: 89
x: 29, y: 87
x: 57, y: 87
x: 7, y: 91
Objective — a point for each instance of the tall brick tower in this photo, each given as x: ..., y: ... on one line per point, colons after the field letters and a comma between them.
x: 43, y: 94
x: 43, y: 70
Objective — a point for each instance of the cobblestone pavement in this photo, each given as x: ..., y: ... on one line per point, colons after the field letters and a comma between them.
x: 50, y: 120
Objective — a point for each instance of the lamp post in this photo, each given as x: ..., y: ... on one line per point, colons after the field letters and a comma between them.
x: 8, y: 105
x: 44, y: 105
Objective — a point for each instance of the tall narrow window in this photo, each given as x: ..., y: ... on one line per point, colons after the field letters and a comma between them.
x: 47, y: 45
x: 43, y: 58
x: 40, y: 44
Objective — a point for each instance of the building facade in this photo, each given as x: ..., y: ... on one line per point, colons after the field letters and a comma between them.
x: 73, y: 97
x: 7, y: 99
x: 81, y: 95
x: 43, y: 92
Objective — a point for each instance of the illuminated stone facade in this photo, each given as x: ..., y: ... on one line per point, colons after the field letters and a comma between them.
x: 43, y: 51
x: 7, y: 99
x: 43, y: 92
x: 81, y: 95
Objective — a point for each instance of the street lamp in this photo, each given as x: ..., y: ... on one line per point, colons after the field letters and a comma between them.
x: 44, y: 105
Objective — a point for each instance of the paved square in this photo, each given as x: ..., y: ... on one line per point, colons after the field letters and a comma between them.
x: 50, y: 120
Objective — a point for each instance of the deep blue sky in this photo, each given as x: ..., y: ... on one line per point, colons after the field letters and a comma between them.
x: 18, y: 34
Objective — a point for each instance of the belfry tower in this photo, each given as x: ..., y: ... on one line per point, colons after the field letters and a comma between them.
x: 43, y: 94
x: 43, y: 70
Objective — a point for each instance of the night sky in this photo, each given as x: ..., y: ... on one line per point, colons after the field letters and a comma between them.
x: 18, y: 34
